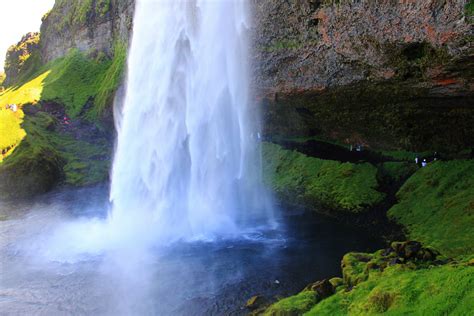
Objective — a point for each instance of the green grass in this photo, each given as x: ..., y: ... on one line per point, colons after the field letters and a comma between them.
x: 46, y: 157
x: 74, y: 81
x: 443, y: 290
x: 436, y: 205
x: 308, y: 181
x: 41, y: 157
x: 469, y: 9
x: 11, y: 133
x: 34, y: 167
x: 293, y: 305
x: 109, y: 81
x: 67, y: 13
x: 23, y: 58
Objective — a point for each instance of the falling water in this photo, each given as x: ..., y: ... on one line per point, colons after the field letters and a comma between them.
x: 187, y: 161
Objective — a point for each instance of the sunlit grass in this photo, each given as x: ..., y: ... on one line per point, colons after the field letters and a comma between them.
x: 11, y: 133
x: 72, y: 81
x: 29, y: 93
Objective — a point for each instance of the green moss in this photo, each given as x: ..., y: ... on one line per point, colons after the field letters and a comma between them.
x: 110, y: 80
x: 83, y: 85
x: 436, y: 205
x: 35, y: 166
x: 308, y: 181
x: 47, y: 157
x: 86, y: 163
x: 354, y: 267
x: 469, y: 9
x: 11, y: 133
x: 73, y: 81
x: 67, y: 13
x: 22, y: 59
x: 294, y: 305
x: 443, y: 290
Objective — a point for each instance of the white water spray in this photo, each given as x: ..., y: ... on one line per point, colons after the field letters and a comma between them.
x: 187, y: 164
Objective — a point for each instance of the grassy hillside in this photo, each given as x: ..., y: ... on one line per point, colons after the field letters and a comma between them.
x: 84, y: 86
x: 323, y: 184
x: 436, y: 206
x: 73, y: 81
x: 46, y: 157
x: 443, y: 290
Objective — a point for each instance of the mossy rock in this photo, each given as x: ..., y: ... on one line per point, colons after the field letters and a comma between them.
x: 294, y: 305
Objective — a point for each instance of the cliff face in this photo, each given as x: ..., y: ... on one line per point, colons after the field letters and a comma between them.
x: 306, y: 44
x: 388, y: 74
x: 21, y: 58
x: 90, y: 25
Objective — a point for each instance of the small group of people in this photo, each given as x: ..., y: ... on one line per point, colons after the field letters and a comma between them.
x: 66, y: 120
x: 424, y: 162
x: 356, y: 147
x: 12, y: 107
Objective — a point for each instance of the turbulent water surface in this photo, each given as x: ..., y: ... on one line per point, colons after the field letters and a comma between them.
x: 41, y: 276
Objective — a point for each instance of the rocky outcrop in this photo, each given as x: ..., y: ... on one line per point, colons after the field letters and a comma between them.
x: 89, y: 26
x: 390, y: 74
x: 315, y: 45
x: 21, y: 58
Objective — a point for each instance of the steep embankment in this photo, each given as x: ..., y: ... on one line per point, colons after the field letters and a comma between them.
x: 63, y: 84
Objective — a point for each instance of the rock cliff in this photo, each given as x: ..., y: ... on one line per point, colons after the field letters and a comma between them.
x: 21, y: 58
x: 388, y: 74
x: 89, y: 26
x: 393, y: 74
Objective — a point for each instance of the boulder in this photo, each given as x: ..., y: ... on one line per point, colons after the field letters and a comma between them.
x: 323, y: 288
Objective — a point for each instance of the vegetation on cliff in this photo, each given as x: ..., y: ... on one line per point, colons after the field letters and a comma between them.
x: 436, y: 205
x: 22, y: 59
x: 324, y: 185
x: 74, y: 81
x: 48, y: 155
x: 71, y: 13
x: 83, y: 87
x: 11, y: 133
x: 400, y: 290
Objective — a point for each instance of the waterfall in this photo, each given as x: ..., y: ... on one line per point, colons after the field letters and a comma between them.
x: 187, y: 163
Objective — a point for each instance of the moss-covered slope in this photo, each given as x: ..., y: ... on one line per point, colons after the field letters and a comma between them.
x: 325, y: 186
x: 441, y: 290
x: 67, y: 123
x: 436, y: 205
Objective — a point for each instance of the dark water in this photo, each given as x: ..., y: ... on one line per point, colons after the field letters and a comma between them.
x: 198, y: 278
